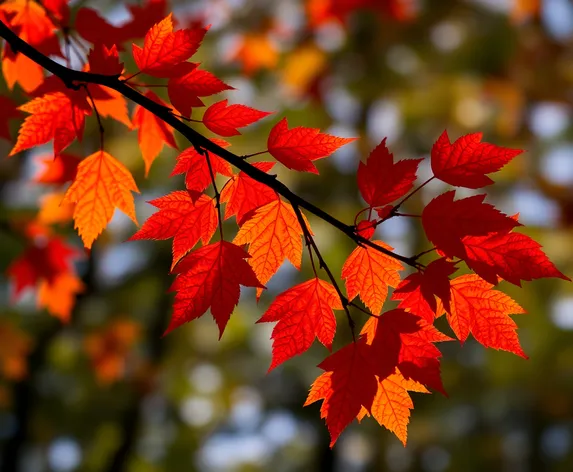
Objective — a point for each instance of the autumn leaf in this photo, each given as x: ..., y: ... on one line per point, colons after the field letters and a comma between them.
x: 298, y: 147
x: 58, y: 169
x: 256, y: 51
x: 303, y: 312
x: 182, y: 219
x: 224, y: 119
x: 369, y: 273
x: 102, y: 184
x: 513, y: 257
x: 104, y: 60
x: 242, y: 194
x: 366, y: 228
x: 446, y: 222
x: 419, y: 290
x: 210, y: 277
x: 8, y: 111
x: 392, y: 404
x: 163, y: 48
x: 348, y: 385
x: 478, y: 309
x: 152, y: 132
x: 381, y: 181
x: 52, y: 116
x: 15, y: 346
x: 185, y: 89
x: 465, y: 162
x: 273, y: 235
x: 112, y: 105
x: 194, y: 165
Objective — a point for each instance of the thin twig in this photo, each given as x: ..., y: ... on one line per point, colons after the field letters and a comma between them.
x: 205, y: 153
x: 101, y: 130
x: 323, y: 265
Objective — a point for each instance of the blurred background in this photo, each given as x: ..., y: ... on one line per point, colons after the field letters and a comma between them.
x: 105, y: 392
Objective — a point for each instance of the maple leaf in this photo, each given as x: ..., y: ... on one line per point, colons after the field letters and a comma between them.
x: 180, y: 218
x: 392, y: 404
x: 59, y: 9
x: 196, y: 169
x: 152, y: 132
x: 348, y: 385
x: 366, y: 228
x: 256, y: 51
x: 243, y: 194
x: 163, y: 48
x: 382, y: 181
x: 405, y: 341
x: 210, y: 277
x: 446, y: 222
x: 58, y: 169
x: 273, y: 234
x: 298, y: 147
x: 112, y: 105
x: 104, y: 60
x: 185, y: 89
x: 303, y: 312
x: 465, y: 162
x: 513, y: 257
x: 102, y: 184
x: 8, y: 111
x: 477, y: 308
x: 369, y: 273
x: 59, y: 296
x: 224, y: 119
x: 15, y: 346
x: 53, y: 116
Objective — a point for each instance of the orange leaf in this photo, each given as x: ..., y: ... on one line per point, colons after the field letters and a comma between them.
x: 210, y: 277
x: 256, y: 51
x: 163, y: 49
x: 369, y: 273
x: 52, y: 210
x: 152, y: 132
x: 53, y: 116
x: 273, y: 235
x: 182, y: 219
x: 224, y: 120
x: 58, y: 169
x: 303, y: 312
x: 15, y: 345
x: 484, y: 312
x: 102, y: 184
x: 297, y: 147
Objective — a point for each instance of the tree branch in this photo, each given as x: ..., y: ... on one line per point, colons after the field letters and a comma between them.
x: 74, y: 79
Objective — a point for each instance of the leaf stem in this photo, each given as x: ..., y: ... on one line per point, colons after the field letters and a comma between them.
x: 217, y: 194
x: 101, y: 129
x: 246, y: 156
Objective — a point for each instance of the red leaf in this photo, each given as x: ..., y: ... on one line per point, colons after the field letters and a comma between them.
x: 298, y: 147
x: 59, y: 9
x: 210, y: 277
x: 163, y: 48
x: 104, y: 60
x: 58, y: 170
x: 348, y: 385
x: 224, y: 120
x: 513, y: 257
x: 446, y: 222
x: 243, y: 195
x: 303, y: 312
x: 382, y: 181
x: 419, y: 290
x: 369, y: 273
x: 196, y: 169
x: 465, y: 162
x: 180, y: 218
x: 52, y: 116
x: 152, y: 133
x: 185, y: 89
x: 484, y: 312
